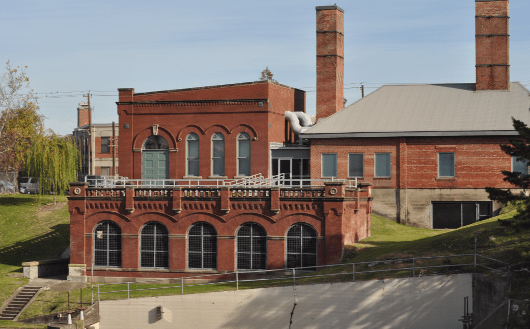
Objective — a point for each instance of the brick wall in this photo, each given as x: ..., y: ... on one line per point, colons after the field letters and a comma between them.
x: 255, y: 108
x: 414, y: 161
x: 492, y: 45
x: 330, y: 60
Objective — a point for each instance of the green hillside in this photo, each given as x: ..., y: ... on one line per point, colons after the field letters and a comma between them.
x: 32, y: 229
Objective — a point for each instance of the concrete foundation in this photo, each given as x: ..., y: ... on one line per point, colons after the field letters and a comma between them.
x: 413, y: 207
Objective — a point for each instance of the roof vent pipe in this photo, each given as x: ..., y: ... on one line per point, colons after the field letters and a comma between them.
x: 299, y: 121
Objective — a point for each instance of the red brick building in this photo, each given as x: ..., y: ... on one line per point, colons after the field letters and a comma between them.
x: 430, y: 150
x: 97, y: 143
x: 184, y: 152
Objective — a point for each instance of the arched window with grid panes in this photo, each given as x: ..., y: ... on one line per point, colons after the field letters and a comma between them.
x: 154, y: 246
x: 301, y: 246
x: 107, y: 244
x: 243, y: 154
x: 218, y: 154
x: 202, y: 246
x: 251, y: 247
x: 192, y: 155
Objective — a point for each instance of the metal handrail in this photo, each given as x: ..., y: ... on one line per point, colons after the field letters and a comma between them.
x: 292, y: 272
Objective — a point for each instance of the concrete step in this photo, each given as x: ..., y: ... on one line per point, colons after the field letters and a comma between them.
x: 18, y: 303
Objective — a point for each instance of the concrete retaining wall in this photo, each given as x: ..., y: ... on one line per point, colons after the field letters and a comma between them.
x: 423, y: 302
x: 45, y: 268
x: 414, y: 206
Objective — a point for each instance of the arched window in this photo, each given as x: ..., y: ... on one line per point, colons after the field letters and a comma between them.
x: 301, y: 244
x: 155, y: 142
x: 202, y: 246
x: 218, y: 154
x: 154, y: 246
x: 192, y: 155
x: 251, y: 247
x: 243, y: 154
x: 107, y: 244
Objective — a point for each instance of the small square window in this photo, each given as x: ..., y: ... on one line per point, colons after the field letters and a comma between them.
x: 105, y: 171
x: 356, y: 165
x: 519, y: 166
x: 329, y: 165
x: 446, y: 164
x: 105, y: 144
x: 382, y: 165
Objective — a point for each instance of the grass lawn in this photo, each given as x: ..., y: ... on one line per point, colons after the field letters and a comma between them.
x: 29, y: 234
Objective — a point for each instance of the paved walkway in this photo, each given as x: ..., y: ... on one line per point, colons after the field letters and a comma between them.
x: 424, y: 302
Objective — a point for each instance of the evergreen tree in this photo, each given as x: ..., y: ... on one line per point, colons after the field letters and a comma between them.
x: 519, y: 148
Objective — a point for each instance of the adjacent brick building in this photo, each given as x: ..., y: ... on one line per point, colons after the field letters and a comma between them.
x: 430, y: 150
x: 97, y: 143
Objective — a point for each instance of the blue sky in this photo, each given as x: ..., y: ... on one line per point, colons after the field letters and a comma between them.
x: 73, y: 47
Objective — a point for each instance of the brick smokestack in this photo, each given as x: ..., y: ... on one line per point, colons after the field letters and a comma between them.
x: 82, y: 114
x: 330, y: 60
x: 492, y: 44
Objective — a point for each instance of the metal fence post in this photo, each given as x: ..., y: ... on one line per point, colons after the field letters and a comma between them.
x: 127, y: 290
x: 353, y: 272
x: 475, y: 256
x: 182, y: 286
x: 294, y: 277
x: 99, y: 300
x: 237, y: 281
x: 413, y: 267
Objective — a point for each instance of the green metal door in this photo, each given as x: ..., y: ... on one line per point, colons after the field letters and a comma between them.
x: 155, y: 164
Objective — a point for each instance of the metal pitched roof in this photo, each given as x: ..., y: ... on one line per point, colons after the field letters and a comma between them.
x: 428, y: 110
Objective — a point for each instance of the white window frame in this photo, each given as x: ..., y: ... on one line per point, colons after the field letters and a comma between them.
x: 188, y: 174
x: 349, y: 165
x: 223, y: 158
x: 514, y: 158
x: 322, y: 165
x: 454, y: 164
x: 389, y: 164
x: 243, y: 136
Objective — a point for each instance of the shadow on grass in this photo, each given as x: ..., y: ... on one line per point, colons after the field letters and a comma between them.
x: 44, y: 246
x: 18, y: 200
x: 491, y: 238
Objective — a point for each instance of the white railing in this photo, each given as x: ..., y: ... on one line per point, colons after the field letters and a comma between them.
x: 255, y: 181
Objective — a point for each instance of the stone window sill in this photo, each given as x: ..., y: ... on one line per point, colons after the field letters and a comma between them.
x: 445, y: 178
x: 217, y: 177
x: 192, y: 177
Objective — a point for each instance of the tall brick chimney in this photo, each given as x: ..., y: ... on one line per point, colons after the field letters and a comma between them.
x: 330, y: 60
x: 492, y: 44
x: 82, y: 114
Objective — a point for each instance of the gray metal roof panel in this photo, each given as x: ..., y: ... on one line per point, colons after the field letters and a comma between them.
x: 427, y: 109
